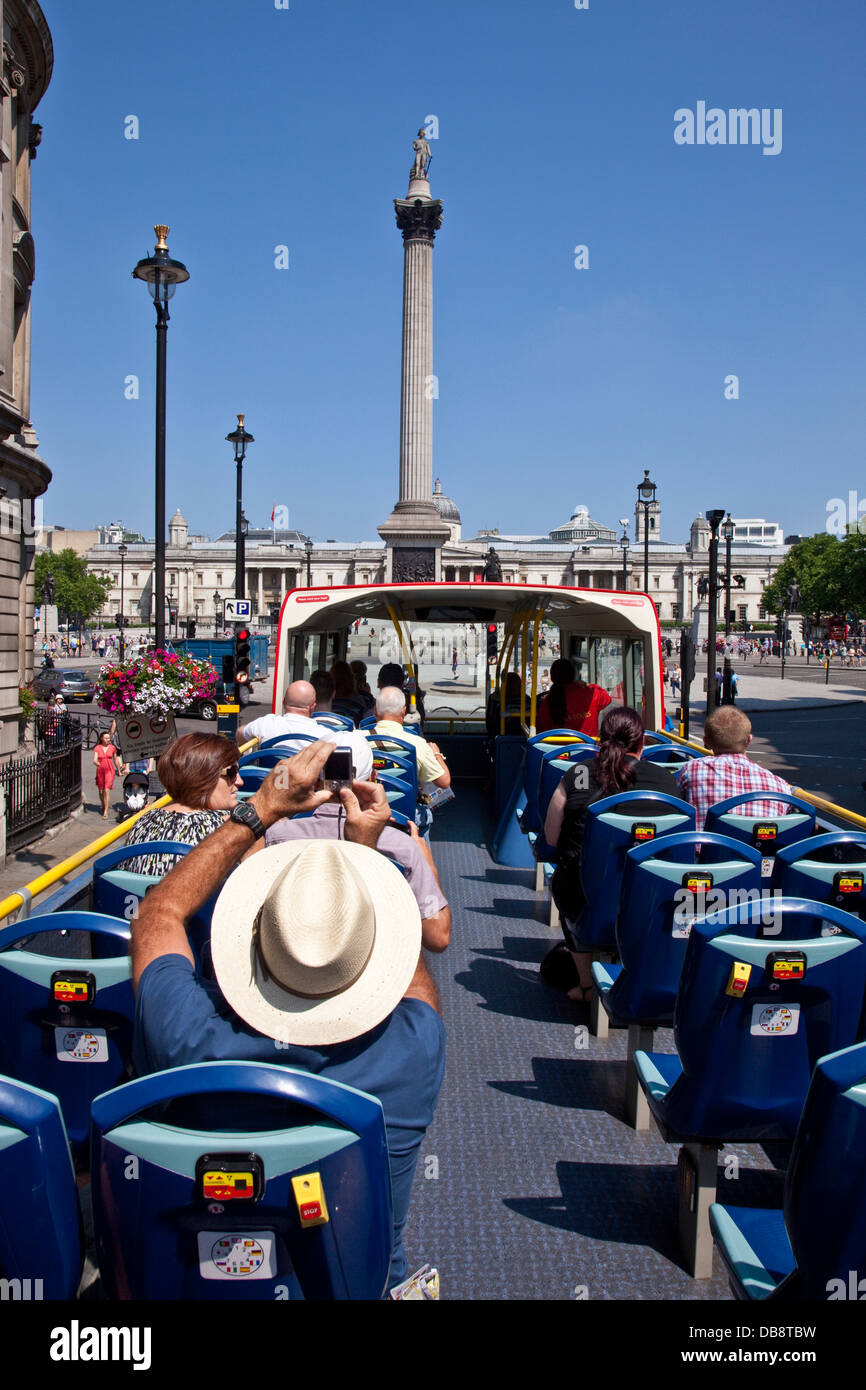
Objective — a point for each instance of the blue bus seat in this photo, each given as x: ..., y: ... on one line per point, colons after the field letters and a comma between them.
x: 287, y: 743
x: 669, y: 755
x: 807, y: 1249
x: 268, y: 757
x: 41, y: 1247
x: 767, y: 833
x: 611, y: 829
x: 117, y: 890
x: 829, y: 868
x: 399, y: 793
x: 664, y: 890
x: 369, y: 721
x: 539, y: 747
x: 66, y: 1022
x: 334, y: 721
x: 200, y: 1139
x: 553, y: 769
x: 404, y: 768
x: 401, y: 746
x: 766, y: 989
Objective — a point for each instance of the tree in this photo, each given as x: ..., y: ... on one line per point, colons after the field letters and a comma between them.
x: 817, y: 563
x: 79, y: 595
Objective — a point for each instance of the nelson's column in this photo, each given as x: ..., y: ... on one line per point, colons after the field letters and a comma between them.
x: 414, y: 532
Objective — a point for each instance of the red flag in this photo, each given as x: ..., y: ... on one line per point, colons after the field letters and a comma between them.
x: 273, y: 511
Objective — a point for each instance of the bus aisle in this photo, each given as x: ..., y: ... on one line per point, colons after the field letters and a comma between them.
x: 530, y: 1184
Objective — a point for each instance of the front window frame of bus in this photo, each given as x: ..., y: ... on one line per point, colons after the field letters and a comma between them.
x: 636, y: 684
x: 618, y: 656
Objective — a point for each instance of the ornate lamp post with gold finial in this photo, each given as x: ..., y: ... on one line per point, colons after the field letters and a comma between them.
x: 161, y: 274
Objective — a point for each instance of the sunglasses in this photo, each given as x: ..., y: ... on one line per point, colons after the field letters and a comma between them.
x: 230, y: 773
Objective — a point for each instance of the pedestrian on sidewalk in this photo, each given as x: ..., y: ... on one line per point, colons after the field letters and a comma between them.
x: 106, y: 760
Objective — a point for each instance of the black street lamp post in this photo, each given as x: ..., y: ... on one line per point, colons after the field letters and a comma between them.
x: 308, y: 548
x: 217, y: 600
x: 121, y: 550
x: 646, y: 495
x: 714, y: 517
x: 240, y: 438
x: 623, y: 541
x: 161, y: 274
x: 728, y: 533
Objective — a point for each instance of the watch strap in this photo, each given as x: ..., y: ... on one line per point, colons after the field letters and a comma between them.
x: 245, y: 814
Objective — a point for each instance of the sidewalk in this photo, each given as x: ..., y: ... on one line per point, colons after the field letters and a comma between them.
x: 81, y: 829
x: 773, y: 693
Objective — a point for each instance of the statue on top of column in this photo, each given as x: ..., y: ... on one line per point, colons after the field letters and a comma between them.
x: 422, y: 156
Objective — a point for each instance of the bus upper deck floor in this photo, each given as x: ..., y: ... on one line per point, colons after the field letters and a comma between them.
x: 457, y: 642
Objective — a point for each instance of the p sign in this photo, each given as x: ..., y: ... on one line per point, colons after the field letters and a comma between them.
x: 238, y: 610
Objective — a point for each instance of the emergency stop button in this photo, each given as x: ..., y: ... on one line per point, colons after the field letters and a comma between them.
x: 310, y: 1197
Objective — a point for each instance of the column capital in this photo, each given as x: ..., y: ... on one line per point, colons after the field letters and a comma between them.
x: 419, y: 219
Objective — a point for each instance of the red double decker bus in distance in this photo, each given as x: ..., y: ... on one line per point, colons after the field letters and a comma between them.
x: 838, y: 630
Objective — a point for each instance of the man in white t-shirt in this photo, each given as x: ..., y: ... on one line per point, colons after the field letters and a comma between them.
x: 299, y: 702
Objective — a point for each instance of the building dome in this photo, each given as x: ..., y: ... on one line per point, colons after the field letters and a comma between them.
x: 581, y: 528
x: 445, y: 506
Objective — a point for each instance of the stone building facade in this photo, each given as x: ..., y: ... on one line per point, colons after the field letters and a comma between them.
x: 25, y: 74
x: 197, y: 570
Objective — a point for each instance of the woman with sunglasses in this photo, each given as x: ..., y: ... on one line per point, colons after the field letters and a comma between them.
x: 200, y: 774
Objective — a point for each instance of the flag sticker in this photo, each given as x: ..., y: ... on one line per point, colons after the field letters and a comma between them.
x: 248, y: 1255
x: 81, y: 1044
x: 774, y: 1020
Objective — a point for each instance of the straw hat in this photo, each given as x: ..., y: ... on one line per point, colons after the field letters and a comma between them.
x: 315, y: 942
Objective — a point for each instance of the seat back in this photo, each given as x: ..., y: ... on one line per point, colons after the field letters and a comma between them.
x: 664, y: 890
x: 268, y: 757
x: 829, y: 868
x: 334, y: 721
x: 252, y: 777
x: 825, y: 1185
x: 117, y: 892
x: 369, y: 721
x: 404, y: 768
x: 766, y: 989
x: 542, y: 746
x: 287, y: 743
x: 553, y: 769
x: 40, y: 1231
x: 399, y: 793
x: 66, y: 1022
x: 769, y: 834
x: 252, y: 1181
x: 613, y: 826
x: 669, y: 755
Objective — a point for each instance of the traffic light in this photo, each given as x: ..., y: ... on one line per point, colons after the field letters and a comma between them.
x: 687, y: 658
x: 228, y: 674
x: 242, y: 665
x: 190, y: 627
x: 492, y: 643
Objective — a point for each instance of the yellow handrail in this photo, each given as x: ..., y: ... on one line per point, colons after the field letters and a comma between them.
x: 47, y: 880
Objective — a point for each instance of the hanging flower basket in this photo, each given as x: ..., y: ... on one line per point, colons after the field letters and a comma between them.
x: 160, y: 683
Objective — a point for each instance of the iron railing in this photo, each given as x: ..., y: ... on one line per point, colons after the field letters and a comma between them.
x: 41, y: 790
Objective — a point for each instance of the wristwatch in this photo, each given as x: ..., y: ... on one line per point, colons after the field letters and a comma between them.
x: 245, y: 814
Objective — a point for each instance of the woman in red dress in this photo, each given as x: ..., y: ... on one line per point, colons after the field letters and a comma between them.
x: 570, y: 703
x: 106, y: 760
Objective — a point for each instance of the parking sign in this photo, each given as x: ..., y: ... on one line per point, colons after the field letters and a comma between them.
x: 238, y: 610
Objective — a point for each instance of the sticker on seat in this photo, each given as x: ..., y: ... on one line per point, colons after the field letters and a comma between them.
x: 81, y: 1044
x: 237, y: 1255
x: 774, y: 1020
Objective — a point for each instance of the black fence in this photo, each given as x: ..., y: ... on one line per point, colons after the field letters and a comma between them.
x: 42, y: 790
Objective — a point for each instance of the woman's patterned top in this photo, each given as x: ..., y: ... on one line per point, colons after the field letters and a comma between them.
x: 165, y: 823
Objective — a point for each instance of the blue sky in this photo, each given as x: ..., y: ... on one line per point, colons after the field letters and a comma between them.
x: 260, y: 127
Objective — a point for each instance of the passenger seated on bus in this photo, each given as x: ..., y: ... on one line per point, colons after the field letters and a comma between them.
x: 512, y: 709
x: 392, y: 673
x: 570, y: 703
x: 317, y: 958
x: 705, y: 781
x: 200, y: 774
x: 324, y: 685
x: 391, y: 711
x: 407, y: 847
x: 346, y: 698
x: 616, y: 768
x: 359, y: 671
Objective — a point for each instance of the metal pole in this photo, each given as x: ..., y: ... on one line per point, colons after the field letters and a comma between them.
x: 239, y: 535
x: 728, y: 586
x: 624, y: 568
x: 122, y: 643
x: 159, y: 546
x: 783, y: 641
x: 711, y: 636
x: 646, y: 547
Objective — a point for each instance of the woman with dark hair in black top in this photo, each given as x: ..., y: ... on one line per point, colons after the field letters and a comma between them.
x: 617, y: 767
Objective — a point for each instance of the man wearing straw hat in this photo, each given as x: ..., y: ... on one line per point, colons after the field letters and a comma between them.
x: 316, y: 949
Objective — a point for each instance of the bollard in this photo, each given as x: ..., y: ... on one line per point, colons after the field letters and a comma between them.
x: 826, y: 671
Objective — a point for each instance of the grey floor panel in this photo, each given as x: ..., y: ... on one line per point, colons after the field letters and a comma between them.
x: 530, y: 1184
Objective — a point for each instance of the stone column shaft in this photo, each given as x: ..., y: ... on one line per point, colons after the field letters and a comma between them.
x: 416, y: 405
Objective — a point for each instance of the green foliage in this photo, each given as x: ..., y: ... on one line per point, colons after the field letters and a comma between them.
x: 27, y: 701
x: 831, y: 574
x: 79, y: 595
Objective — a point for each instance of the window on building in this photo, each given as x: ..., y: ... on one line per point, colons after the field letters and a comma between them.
x: 762, y: 613
x: 199, y: 579
x: 544, y: 579
x: 742, y: 612
x: 133, y: 579
x: 583, y: 579
x: 219, y: 578
x: 756, y: 530
x: 449, y: 574
x: 652, y: 523
x: 330, y: 579
x: 657, y: 581
x: 675, y: 612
